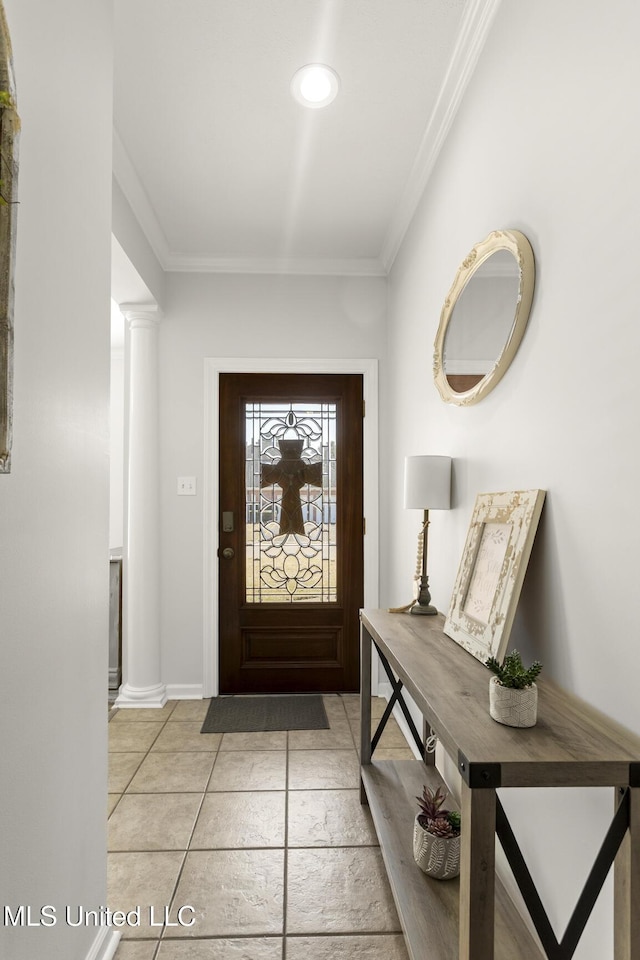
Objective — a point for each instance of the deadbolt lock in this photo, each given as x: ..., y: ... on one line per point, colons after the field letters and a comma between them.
x: 228, y: 553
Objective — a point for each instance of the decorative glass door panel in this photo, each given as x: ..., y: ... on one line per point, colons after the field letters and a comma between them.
x: 290, y: 503
x: 291, y: 550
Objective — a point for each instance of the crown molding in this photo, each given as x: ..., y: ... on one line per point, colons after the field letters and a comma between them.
x: 174, y: 261
x: 131, y: 185
x: 299, y: 266
x: 474, y: 29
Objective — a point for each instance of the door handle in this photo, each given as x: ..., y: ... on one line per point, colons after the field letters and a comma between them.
x: 228, y: 553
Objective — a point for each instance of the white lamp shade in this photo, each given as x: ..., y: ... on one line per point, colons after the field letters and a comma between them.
x: 427, y: 483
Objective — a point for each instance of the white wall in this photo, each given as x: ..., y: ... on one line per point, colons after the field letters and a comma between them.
x: 546, y: 142
x: 54, y: 583
x: 137, y: 248
x: 234, y: 316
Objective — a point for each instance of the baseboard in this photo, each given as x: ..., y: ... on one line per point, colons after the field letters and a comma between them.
x: 184, y: 691
x: 105, y: 944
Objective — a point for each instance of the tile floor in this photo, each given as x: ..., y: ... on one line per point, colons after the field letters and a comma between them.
x: 262, y: 834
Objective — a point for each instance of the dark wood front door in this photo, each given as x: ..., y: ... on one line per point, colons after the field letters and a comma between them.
x: 291, y: 532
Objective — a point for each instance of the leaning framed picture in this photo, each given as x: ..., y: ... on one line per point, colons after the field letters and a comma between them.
x: 492, y: 569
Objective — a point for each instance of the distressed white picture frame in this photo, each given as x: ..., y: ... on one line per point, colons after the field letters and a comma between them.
x: 492, y: 569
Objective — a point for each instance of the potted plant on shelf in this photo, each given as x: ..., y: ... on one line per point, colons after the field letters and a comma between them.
x: 436, y: 836
x: 513, y: 694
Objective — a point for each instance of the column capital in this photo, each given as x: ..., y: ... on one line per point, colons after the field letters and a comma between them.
x: 141, y: 314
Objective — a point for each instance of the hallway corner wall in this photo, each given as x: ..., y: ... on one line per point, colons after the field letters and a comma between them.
x: 54, y: 508
x: 544, y: 142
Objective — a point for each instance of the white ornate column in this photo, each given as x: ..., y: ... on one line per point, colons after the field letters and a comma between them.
x: 141, y: 562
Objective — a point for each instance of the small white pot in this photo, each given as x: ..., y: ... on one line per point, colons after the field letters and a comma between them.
x: 515, y: 708
x: 438, y: 857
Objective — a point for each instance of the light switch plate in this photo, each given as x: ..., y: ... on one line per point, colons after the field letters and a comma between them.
x: 186, y: 486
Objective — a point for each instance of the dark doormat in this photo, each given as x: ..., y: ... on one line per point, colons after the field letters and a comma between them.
x: 240, y: 714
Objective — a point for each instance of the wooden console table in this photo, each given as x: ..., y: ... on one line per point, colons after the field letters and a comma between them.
x: 572, y: 745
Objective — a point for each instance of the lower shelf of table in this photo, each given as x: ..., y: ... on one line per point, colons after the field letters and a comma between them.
x: 428, y: 909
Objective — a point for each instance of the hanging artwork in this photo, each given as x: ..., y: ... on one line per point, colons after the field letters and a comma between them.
x: 8, y: 188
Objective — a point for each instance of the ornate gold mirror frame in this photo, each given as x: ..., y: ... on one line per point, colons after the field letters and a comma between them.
x: 516, y: 244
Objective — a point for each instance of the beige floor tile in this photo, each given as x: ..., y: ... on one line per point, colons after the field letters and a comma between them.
x: 251, y: 948
x: 145, y: 714
x: 329, y: 818
x: 234, y: 893
x: 392, y: 736
x: 393, y: 753
x: 342, y: 890
x: 323, y: 769
x: 270, y: 740
x: 378, y: 706
x: 112, y: 801
x: 338, y: 737
x: 153, y: 821
x: 132, y: 737
x: 240, y: 820
x: 186, y: 736
x: 247, y: 770
x: 122, y: 767
x: 380, y: 947
x: 350, y: 700
x: 193, y: 710
x: 130, y: 950
x: 145, y: 880
x: 334, y: 707
x: 352, y: 706
x: 173, y: 773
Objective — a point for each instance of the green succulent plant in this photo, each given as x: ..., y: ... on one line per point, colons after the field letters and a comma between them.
x: 434, y: 818
x: 512, y: 672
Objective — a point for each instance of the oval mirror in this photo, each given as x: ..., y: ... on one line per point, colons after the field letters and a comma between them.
x: 484, y: 317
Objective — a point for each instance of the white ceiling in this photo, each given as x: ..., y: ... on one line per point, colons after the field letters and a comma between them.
x: 226, y: 172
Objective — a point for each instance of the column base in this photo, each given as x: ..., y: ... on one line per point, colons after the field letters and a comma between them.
x: 129, y: 696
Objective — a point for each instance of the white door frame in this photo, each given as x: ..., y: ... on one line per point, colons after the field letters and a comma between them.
x: 213, y: 367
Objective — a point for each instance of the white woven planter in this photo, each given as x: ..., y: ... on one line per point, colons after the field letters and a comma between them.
x: 515, y: 708
x: 438, y: 857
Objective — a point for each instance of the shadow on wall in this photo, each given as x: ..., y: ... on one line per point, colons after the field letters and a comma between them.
x: 541, y: 621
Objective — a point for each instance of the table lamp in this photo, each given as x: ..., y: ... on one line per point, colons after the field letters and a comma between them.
x: 427, y: 486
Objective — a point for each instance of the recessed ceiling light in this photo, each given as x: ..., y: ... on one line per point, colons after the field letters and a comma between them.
x: 315, y: 85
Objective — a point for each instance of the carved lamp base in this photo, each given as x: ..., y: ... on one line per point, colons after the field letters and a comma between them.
x: 423, y: 606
